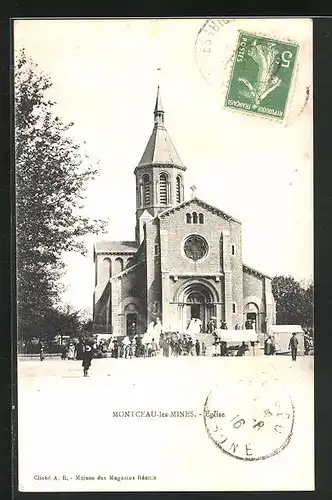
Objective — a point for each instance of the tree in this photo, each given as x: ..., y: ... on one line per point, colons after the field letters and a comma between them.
x: 294, y: 301
x: 60, y: 322
x: 52, y: 174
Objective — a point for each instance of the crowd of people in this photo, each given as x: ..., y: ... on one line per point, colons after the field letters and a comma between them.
x: 169, y: 344
x: 156, y: 342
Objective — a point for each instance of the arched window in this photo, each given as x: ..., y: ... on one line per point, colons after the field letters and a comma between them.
x: 201, y: 218
x: 108, y: 263
x: 118, y: 265
x: 233, y: 249
x: 195, y: 218
x: 163, y: 188
x: 178, y: 189
x: 146, y: 190
x: 188, y: 218
x: 129, y: 261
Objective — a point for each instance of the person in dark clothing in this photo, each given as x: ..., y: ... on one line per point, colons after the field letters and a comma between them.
x: 139, y: 347
x: 293, y: 343
x: 268, y: 346
x: 79, y: 350
x: 306, y: 345
x: 197, y: 347
x: 115, y: 353
x: 211, y: 326
x: 242, y: 349
x: 64, y: 353
x: 41, y: 352
x: 132, y: 329
x: 87, y: 356
x: 223, y: 349
x: 248, y: 324
x: 166, y: 347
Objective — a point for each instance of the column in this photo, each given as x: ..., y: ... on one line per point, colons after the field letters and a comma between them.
x: 269, y: 308
x: 218, y: 314
x: 227, y: 279
x: 164, y: 277
x: 156, y: 198
x: 115, y: 290
x: 169, y: 193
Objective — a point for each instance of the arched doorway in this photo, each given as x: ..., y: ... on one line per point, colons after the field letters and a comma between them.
x: 196, y: 303
x: 251, y: 315
x: 196, y: 300
x: 131, y: 318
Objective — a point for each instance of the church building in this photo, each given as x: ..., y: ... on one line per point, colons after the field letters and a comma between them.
x: 185, y: 261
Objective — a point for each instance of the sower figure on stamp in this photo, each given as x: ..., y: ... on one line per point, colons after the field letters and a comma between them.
x: 87, y: 358
x: 293, y: 343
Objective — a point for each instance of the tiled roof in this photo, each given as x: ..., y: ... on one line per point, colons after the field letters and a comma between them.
x: 116, y: 246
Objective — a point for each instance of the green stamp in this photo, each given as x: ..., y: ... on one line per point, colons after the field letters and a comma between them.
x: 262, y: 75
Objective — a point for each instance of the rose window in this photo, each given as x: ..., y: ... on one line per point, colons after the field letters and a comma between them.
x: 195, y: 247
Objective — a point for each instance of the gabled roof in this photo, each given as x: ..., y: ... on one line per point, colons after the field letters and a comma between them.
x: 146, y: 215
x: 105, y: 246
x: 201, y: 203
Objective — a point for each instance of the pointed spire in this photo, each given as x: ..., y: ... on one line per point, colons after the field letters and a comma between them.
x: 158, y: 110
x: 160, y: 150
x: 159, y: 105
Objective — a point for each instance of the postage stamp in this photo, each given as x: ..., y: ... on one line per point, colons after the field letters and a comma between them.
x: 262, y: 75
x: 250, y: 419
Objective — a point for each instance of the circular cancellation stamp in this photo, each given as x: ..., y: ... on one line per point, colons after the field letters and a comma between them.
x: 250, y: 419
x: 254, y: 67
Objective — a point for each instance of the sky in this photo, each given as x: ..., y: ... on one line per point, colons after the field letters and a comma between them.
x: 105, y: 77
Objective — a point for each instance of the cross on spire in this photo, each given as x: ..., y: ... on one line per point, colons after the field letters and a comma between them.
x: 193, y: 190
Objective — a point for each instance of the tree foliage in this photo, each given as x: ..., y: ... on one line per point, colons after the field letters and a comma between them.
x: 52, y: 174
x: 294, y: 301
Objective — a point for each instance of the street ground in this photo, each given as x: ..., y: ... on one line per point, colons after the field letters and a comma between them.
x: 67, y: 426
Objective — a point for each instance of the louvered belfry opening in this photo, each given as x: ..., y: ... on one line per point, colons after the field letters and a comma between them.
x: 146, y: 190
x: 163, y: 187
x: 178, y: 189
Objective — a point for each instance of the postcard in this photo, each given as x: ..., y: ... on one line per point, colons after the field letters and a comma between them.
x: 164, y: 229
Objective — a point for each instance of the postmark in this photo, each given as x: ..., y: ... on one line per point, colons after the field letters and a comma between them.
x: 262, y: 75
x: 221, y: 59
x: 250, y: 419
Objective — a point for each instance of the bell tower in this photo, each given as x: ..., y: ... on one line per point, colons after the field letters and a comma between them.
x: 159, y: 174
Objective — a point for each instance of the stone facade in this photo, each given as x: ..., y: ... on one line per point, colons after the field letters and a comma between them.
x: 186, y: 260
